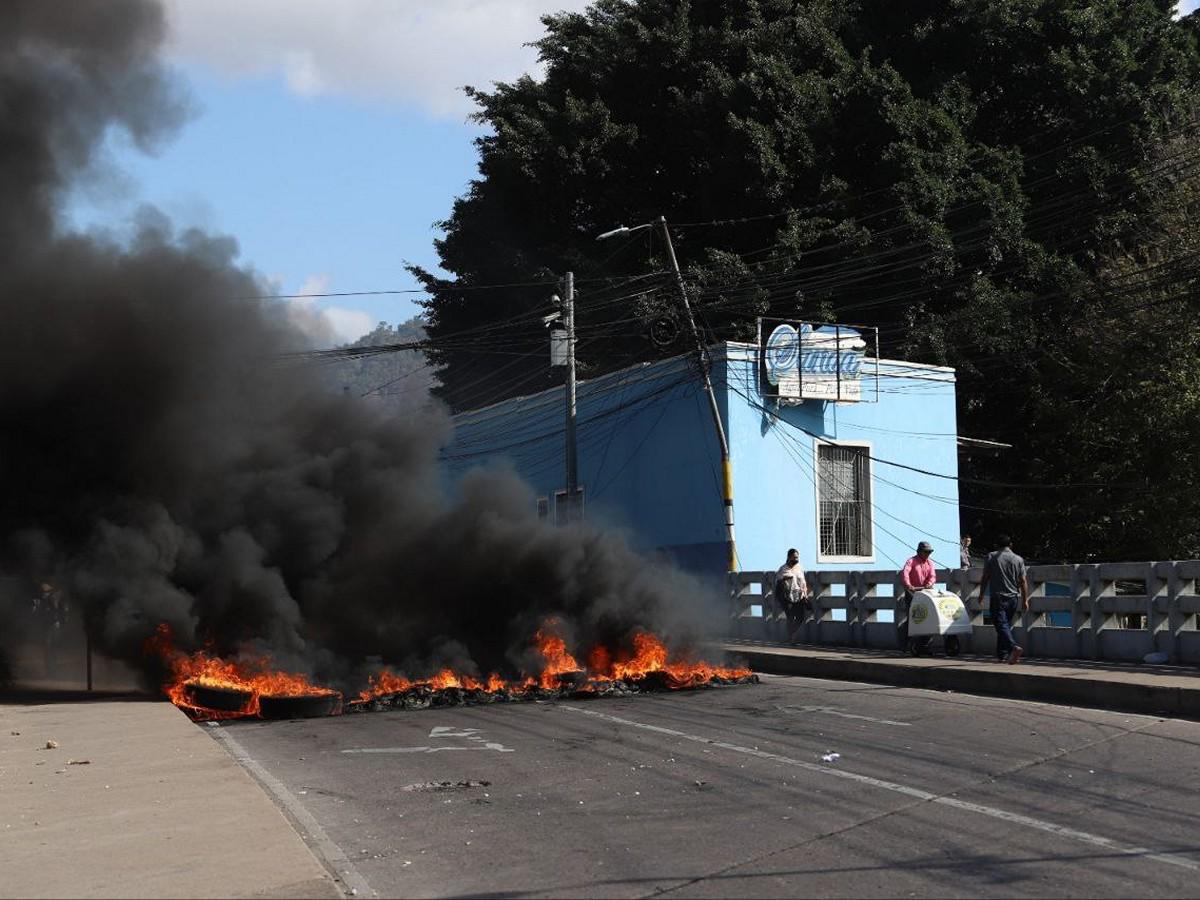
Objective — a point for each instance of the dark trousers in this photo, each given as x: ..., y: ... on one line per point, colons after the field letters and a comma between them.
x: 797, y: 615
x: 902, y: 625
x: 1003, y: 610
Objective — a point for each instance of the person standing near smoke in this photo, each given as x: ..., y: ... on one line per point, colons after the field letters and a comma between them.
x: 791, y: 591
x: 50, y: 612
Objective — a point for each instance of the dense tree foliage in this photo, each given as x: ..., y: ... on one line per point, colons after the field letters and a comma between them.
x: 998, y: 185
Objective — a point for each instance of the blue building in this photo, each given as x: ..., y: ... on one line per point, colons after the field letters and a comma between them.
x: 853, y: 483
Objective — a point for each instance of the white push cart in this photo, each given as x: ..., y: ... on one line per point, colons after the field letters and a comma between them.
x: 936, y: 613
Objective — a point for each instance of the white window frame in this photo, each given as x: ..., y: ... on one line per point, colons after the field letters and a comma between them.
x: 870, y: 500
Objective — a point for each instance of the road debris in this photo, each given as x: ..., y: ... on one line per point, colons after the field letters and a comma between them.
x: 51, y: 745
x: 831, y: 756
x: 445, y: 785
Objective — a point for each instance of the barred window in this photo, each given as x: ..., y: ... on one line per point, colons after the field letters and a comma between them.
x: 844, y: 494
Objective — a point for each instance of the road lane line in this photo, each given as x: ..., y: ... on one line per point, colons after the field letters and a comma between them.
x: 834, y: 711
x: 335, y: 860
x: 990, y: 811
x: 491, y: 745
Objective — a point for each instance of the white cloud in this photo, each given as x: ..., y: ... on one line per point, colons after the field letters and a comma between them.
x: 418, y: 52
x: 348, y: 324
x: 328, y: 326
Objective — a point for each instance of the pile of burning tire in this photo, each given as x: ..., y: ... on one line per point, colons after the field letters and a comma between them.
x: 572, y: 685
x: 204, y: 701
x: 209, y: 687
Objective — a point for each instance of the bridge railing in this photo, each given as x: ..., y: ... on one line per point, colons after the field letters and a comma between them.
x: 1101, y: 611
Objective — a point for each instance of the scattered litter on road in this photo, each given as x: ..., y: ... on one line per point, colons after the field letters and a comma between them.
x: 79, y: 762
x: 51, y: 745
x: 15, y: 733
x: 831, y: 757
x: 445, y: 785
x: 1156, y: 659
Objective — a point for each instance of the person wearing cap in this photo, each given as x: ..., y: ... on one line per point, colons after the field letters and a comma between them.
x: 918, y: 573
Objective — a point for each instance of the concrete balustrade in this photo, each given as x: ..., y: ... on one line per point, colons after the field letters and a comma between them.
x: 1100, y: 611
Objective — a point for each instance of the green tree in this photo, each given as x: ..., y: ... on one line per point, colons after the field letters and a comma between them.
x: 959, y: 173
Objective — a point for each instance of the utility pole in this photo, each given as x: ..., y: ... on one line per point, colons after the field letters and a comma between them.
x: 572, y: 453
x: 705, y: 369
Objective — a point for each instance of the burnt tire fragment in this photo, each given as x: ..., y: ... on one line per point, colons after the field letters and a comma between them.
x: 218, y: 699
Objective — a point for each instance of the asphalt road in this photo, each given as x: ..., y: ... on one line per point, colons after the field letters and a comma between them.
x: 727, y: 793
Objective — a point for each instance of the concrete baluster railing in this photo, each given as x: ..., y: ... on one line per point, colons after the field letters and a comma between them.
x: 1104, y: 611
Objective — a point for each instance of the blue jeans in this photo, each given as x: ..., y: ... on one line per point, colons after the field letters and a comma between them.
x: 1003, y: 610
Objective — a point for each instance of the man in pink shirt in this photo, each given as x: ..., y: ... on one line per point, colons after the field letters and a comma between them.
x: 918, y: 573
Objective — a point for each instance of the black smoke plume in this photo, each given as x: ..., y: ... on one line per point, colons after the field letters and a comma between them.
x: 161, y: 461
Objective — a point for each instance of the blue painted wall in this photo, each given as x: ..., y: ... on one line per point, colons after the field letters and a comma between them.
x: 649, y: 462
x: 907, y: 417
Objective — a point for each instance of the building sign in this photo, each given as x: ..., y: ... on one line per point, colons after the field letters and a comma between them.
x: 803, y: 362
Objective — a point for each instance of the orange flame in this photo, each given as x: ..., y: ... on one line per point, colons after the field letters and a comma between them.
x: 558, y: 660
x: 253, y: 676
x: 256, y: 678
x: 650, y: 656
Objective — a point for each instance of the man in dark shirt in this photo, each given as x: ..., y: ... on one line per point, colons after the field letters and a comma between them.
x: 1004, y: 572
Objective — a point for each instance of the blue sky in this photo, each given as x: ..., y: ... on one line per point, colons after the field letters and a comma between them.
x: 328, y: 136
x: 323, y: 193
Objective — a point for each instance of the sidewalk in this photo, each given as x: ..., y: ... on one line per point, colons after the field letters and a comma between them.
x: 1153, y: 690
x: 136, y: 801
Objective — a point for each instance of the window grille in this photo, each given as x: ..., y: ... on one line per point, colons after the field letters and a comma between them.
x: 543, y: 507
x: 844, y: 486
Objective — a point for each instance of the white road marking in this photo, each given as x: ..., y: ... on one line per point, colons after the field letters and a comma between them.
x: 446, y: 731
x: 443, y: 731
x: 829, y: 710
x: 490, y: 745
x: 331, y: 854
x: 991, y: 811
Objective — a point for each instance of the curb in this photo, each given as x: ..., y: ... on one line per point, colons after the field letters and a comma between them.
x: 1136, y: 693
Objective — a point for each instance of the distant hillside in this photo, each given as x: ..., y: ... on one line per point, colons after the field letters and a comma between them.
x: 401, y: 379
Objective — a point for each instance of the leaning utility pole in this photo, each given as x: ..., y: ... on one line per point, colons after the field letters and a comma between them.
x: 705, y: 368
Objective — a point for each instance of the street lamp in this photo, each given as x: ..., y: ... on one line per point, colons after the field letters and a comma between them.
x: 705, y: 367
x: 621, y: 229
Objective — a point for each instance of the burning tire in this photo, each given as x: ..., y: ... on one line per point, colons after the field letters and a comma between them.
x: 219, y: 699
x: 302, y: 706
